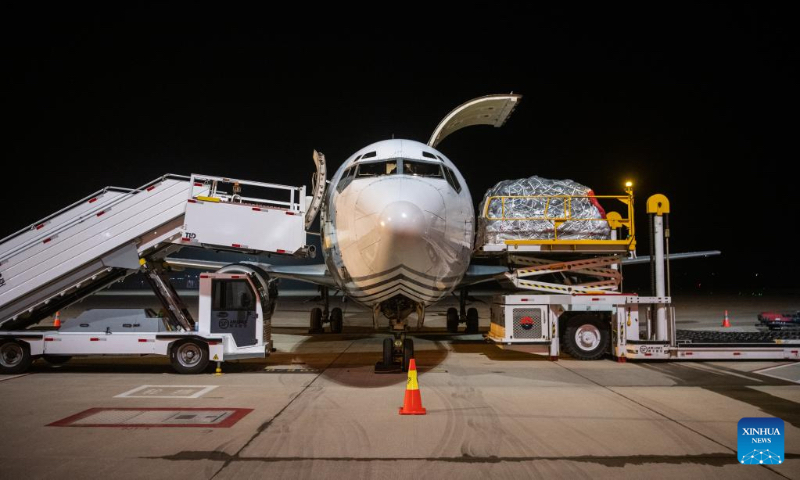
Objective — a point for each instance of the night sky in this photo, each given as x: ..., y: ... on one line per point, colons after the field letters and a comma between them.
x: 697, y: 104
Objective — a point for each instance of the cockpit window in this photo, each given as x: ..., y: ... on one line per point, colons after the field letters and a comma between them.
x: 422, y: 169
x: 374, y: 169
x: 452, y: 180
x: 347, y: 177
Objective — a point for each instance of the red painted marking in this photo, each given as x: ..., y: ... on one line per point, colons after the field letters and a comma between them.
x: 234, y: 276
x: 203, y: 276
x: 688, y: 353
x: 142, y: 340
x: 523, y: 299
x: 256, y: 209
x: 38, y: 227
x: 101, y: 213
x: 280, y: 250
x: 236, y: 415
x: 235, y: 245
x: 184, y: 239
x: 192, y: 201
x: 648, y: 354
x: 48, y: 339
x: 92, y: 200
x: 290, y: 213
x: 46, y: 240
x: 737, y: 353
x: 151, y: 187
x: 94, y: 339
x: 213, y: 343
x: 198, y: 184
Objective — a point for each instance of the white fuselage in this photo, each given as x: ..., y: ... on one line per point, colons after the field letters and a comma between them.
x: 397, y: 226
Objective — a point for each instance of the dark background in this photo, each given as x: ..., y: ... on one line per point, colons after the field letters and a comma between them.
x: 696, y: 103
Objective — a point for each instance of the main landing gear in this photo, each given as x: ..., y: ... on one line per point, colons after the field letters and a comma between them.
x: 397, y: 353
x: 468, y: 316
x: 320, y: 316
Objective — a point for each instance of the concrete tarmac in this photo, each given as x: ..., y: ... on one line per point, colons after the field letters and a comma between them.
x: 319, y: 411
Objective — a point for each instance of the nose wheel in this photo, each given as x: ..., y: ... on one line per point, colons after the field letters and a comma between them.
x: 397, y: 353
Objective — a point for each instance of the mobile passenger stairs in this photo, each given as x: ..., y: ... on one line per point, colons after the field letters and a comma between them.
x: 580, y: 307
x: 116, y: 232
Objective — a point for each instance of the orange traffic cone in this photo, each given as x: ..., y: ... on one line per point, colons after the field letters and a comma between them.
x: 57, y: 321
x: 412, y: 405
x: 725, y: 322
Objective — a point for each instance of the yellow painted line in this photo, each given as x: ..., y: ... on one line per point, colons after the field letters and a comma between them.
x: 567, y: 242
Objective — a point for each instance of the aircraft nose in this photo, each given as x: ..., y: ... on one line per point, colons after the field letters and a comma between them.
x: 403, y: 222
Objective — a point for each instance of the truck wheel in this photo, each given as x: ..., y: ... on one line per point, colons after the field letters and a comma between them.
x: 472, y: 320
x: 15, y: 357
x: 337, y: 320
x: 586, y: 338
x: 315, y: 325
x: 56, y: 359
x: 408, y: 352
x: 189, y: 356
x: 452, y: 320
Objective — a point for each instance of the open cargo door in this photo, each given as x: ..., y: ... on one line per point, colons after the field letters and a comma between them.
x: 489, y: 110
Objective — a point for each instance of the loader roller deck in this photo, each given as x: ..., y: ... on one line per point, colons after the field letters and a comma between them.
x: 708, y: 337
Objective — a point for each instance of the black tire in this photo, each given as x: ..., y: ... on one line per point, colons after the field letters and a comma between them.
x: 472, y: 320
x: 189, y: 356
x: 452, y: 320
x: 315, y: 325
x: 586, y: 338
x: 15, y: 357
x: 408, y: 352
x: 388, y: 345
x: 56, y: 359
x: 337, y: 320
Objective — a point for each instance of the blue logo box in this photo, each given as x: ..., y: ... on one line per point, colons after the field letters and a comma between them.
x: 760, y: 441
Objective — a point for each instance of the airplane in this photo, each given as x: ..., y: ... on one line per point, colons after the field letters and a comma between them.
x: 397, y: 231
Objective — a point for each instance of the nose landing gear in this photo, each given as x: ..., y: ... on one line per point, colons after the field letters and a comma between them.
x: 397, y: 353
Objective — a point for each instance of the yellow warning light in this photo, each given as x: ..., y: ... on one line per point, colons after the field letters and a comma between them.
x: 629, y: 184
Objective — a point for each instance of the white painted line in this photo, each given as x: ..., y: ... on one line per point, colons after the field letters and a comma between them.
x: 773, y: 368
x: 154, y: 391
x: 761, y: 372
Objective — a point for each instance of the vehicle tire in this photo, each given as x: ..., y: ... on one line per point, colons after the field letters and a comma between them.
x: 337, y: 320
x: 56, y: 359
x: 189, y: 356
x: 315, y: 325
x: 472, y: 320
x: 408, y: 352
x: 452, y: 320
x: 586, y: 338
x: 15, y: 357
x: 388, y: 345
